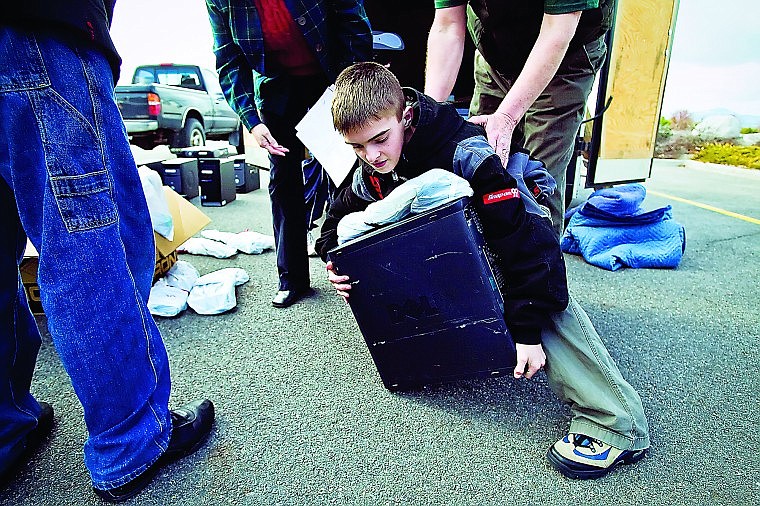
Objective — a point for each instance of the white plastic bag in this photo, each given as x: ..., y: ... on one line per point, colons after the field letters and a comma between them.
x: 166, y: 300
x: 429, y: 190
x: 252, y: 243
x: 182, y: 275
x: 202, y: 246
x: 214, y: 293
x: 158, y: 209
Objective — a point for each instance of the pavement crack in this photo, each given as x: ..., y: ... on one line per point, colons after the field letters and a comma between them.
x: 728, y: 239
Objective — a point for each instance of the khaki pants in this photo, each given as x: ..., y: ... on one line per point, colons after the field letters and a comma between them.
x: 551, y: 124
x: 578, y: 366
x: 582, y: 373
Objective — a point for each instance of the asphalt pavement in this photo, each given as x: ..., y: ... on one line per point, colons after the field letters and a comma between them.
x: 302, y: 417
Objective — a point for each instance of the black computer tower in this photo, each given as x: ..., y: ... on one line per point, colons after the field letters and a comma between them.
x: 181, y: 175
x: 246, y: 176
x: 427, y: 299
x: 203, y: 152
x: 217, y: 181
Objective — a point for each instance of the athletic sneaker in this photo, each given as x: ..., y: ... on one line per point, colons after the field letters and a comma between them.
x: 579, y: 456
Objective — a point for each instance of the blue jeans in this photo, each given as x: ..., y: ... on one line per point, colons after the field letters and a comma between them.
x: 70, y: 184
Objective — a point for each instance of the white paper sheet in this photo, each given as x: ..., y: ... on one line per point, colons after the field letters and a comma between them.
x: 317, y: 133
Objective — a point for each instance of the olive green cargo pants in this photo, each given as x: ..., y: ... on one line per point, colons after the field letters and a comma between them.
x: 581, y: 372
x: 550, y: 125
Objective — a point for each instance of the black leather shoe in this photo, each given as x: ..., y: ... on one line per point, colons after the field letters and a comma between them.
x: 285, y: 298
x: 44, y: 425
x: 34, y: 439
x: 191, y: 425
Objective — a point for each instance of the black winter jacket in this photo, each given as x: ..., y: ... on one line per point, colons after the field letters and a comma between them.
x: 528, y: 249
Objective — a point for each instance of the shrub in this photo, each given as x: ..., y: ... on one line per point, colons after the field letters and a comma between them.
x: 749, y: 130
x: 675, y: 146
x: 729, y: 154
x: 664, y: 131
x: 665, y: 128
x: 682, y: 120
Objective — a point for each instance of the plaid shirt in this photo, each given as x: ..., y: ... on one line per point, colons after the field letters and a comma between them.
x: 249, y: 79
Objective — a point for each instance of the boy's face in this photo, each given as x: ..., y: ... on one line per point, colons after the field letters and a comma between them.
x: 379, y: 143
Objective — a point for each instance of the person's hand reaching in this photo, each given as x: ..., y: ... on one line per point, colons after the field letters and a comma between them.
x: 264, y: 137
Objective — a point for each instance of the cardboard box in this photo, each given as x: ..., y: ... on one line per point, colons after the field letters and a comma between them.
x: 28, y: 270
x: 426, y: 298
x: 188, y: 221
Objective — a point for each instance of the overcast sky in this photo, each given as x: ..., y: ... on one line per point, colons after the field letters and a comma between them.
x: 715, y: 61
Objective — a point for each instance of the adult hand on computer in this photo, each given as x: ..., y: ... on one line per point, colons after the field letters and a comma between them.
x: 264, y: 137
x: 530, y: 357
x: 340, y: 283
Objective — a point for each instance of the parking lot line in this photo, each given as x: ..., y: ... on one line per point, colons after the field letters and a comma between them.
x: 706, y: 206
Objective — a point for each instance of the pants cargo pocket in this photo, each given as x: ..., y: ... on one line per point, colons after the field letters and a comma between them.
x: 74, y: 161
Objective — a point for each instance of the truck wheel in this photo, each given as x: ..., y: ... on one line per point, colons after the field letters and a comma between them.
x: 192, y: 134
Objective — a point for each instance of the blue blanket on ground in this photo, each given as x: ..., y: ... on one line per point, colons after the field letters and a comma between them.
x: 612, y: 230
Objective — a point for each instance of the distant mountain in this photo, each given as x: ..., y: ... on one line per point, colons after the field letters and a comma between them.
x: 746, y: 120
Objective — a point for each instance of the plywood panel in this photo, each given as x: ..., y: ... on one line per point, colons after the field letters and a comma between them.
x: 640, y: 53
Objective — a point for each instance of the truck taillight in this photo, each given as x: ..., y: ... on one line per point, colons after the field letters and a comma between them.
x: 154, y: 104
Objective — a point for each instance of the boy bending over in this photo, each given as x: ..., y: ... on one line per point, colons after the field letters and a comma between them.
x: 399, y: 133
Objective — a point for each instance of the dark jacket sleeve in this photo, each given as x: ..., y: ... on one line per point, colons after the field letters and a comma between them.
x: 235, y: 73
x: 529, y: 254
x: 353, y: 34
x: 345, y: 202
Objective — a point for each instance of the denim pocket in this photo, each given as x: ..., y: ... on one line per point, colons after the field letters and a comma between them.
x: 21, y: 66
x: 74, y: 157
x: 74, y: 161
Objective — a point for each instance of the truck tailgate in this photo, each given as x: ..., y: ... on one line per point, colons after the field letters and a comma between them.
x: 133, y: 103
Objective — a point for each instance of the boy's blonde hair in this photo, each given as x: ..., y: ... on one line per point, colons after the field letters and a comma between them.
x: 365, y: 91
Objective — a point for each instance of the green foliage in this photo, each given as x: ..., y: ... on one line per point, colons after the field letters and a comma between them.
x: 674, y: 140
x: 665, y: 131
x: 728, y: 154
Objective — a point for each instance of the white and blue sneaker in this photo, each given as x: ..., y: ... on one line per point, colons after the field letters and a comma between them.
x: 581, y: 457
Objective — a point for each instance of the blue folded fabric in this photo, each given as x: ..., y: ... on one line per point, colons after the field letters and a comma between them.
x: 613, y: 230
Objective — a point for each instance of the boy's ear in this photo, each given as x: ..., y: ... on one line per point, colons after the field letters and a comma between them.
x: 406, y: 117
